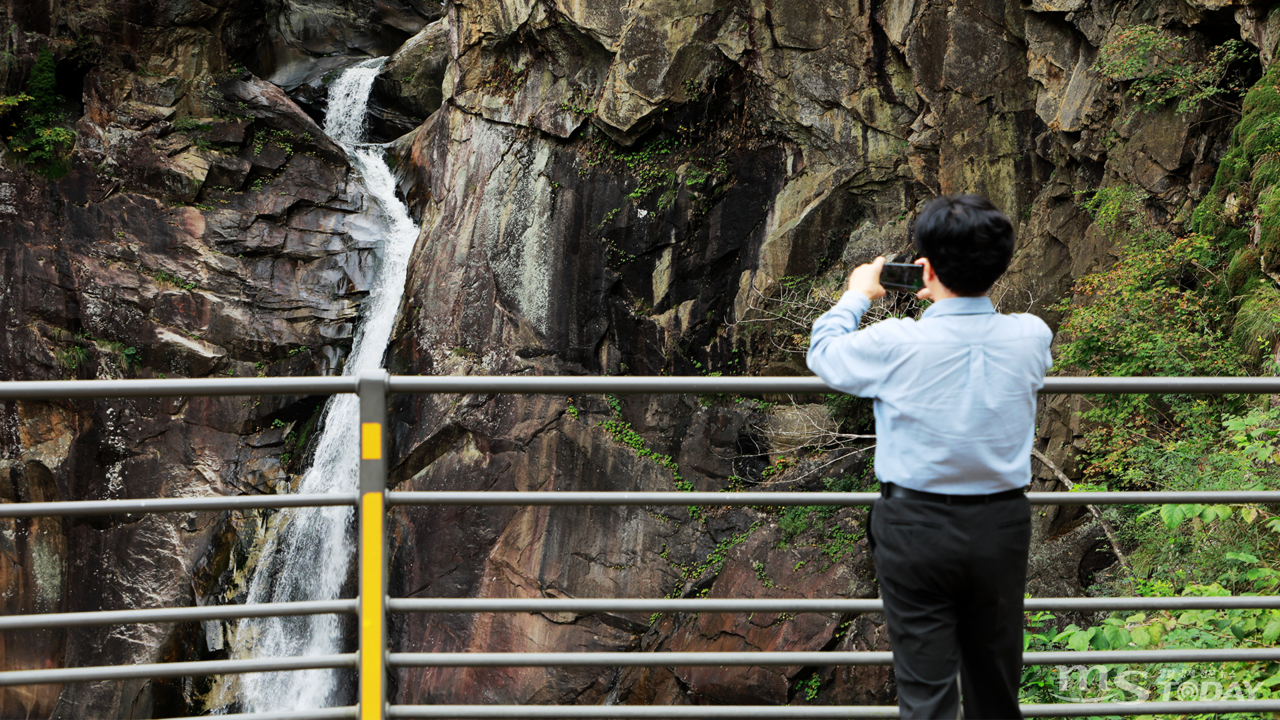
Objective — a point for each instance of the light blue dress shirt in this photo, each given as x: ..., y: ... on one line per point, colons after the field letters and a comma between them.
x: 955, y: 391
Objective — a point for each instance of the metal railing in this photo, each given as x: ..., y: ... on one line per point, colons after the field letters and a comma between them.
x: 372, y: 500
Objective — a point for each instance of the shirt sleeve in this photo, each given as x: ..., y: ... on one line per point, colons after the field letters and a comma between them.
x: 845, y: 358
x: 1046, y: 336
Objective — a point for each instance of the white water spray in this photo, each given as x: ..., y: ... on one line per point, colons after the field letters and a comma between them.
x: 308, y: 551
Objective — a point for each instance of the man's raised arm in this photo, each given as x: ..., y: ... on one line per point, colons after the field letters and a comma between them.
x: 845, y: 358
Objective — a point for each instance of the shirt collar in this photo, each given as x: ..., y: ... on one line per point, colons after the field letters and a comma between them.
x: 961, y: 306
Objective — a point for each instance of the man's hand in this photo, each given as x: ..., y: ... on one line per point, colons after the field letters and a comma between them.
x: 866, y: 279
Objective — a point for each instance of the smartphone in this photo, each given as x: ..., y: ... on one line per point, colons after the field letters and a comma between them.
x: 900, y: 276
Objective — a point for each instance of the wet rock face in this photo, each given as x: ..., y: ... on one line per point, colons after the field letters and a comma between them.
x: 301, y: 30
x: 205, y: 229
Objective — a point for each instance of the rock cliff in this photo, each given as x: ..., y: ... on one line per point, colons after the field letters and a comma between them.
x: 604, y: 188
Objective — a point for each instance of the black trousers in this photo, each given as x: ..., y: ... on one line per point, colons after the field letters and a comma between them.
x: 952, y: 578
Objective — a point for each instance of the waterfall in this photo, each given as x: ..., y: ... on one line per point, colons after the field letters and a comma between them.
x: 308, y: 551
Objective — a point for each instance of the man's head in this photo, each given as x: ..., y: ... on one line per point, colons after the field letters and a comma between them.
x: 967, y: 240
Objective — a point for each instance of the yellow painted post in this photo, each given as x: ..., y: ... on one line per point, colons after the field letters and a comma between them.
x: 372, y: 388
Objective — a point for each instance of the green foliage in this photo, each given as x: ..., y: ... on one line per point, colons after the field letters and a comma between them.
x: 50, y: 145
x: 1196, y: 305
x: 503, y: 78
x: 1144, y: 316
x: 280, y: 138
x: 761, y: 575
x: 819, y: 526
x: 810, y: 687
x: 164, y: 277
x: 1250, y: 170
x: 38, y: 137
x: 1255, y: 434
x: 42, y: 86
x: 8, y: 103
x: 73, y: 357
x: 1160, y: 310
x: 1257, y: 323
x: 191, y: 124
x: 621, y: 431
x: 1161, y: 69
x: 715, y: 560
x: 1198, y: 629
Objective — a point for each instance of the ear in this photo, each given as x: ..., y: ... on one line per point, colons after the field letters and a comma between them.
x: 929, y: 274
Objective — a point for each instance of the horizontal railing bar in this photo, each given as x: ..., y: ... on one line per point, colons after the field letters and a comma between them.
x: 637, y: 659
x: 574, y: 385
x: 176, y: 387
x: 245, y: 502
x: 186, y: 614
x: 1156, y: 497
x: 541, y: 498
x: 592, y: 605
x: 627, y: 498
x: 797, y: 605
x: 762, y: 659
x: 818, y: 712
x: 137, y: 506
x: 178, y: 669
x: 662, y: 385
x: 338, y: 713
x: 598, y: 384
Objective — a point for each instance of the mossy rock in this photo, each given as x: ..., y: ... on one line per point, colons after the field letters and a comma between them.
x: 1265, y: 95
x: 1257, y: 325
x: 1233, y: 238
x: 1251, y: 168
x: 1207, y: 218
x: 1243, y: 268
x: 1269, y: 222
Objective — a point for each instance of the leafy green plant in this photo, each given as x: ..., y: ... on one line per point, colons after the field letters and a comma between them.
x: 191, y: 124
x: 503, y: 78
x: 167, y: 278
x: 1159, y: 310
x: 42, y: 85
x: 73, y: 357
x: 1161, y: 69
x: 810, y: 687
x: 714, y: 562
x: 39, y: 137
x: 9, y: 103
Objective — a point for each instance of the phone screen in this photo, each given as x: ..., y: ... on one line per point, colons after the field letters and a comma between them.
x: 901, y: 276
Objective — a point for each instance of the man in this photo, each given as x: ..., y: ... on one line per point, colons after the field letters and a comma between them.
x: 955, y: 400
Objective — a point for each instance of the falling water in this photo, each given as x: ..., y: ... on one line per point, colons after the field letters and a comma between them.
x: 308, y: 552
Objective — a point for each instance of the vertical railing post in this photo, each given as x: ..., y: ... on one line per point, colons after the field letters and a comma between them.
x: 372, y: 387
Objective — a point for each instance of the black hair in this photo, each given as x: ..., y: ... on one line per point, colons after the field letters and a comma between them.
x: 968, y: 241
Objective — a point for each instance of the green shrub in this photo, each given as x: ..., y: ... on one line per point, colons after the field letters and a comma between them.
x: 42, y: 86
x: 1161, y: 69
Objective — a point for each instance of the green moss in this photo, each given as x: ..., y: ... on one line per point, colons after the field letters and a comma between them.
x: 1243, y: 268
x: 1234, y: 238
x: 1207, y: 218
x: 1251, y: 171
x: 1257, y: 324
x: 1269, y: 225
x: 1265, y: 95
